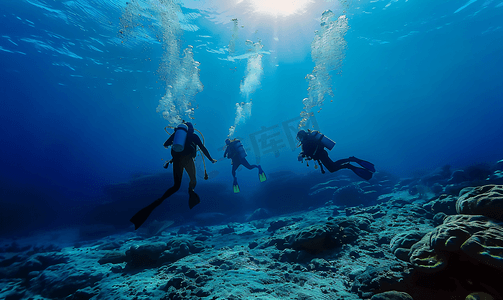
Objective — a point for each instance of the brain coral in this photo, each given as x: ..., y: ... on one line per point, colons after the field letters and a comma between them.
x: 477, y: 237
x: 484, y: 200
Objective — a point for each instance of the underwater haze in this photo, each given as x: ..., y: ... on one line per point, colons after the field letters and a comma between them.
x: 88, y: 87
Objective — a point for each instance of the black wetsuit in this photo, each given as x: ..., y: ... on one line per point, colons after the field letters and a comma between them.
x: 231, y: 153
x: 184, y: 160
x: 314, y: 149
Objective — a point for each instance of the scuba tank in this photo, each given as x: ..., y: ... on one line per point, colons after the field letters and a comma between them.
x: 328, y: 143
x: 180, y: 137
x: 240, y: 150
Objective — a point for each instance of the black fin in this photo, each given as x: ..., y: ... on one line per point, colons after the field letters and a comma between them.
x: 363, y: 173
x: 367, y: 165
x: 193, y: 199
x: 140, y: 217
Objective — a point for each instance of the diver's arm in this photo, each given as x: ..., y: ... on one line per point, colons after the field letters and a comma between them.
x: 169, y: 141
x: 203, y: 148
x: 303, y: 152
x: 308, y: 150
x: 226, y: 151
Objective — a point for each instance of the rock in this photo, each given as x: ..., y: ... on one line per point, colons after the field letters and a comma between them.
x: 57, y: 282
x: 84, y: 294
x: 180, y: 248
x: 155, y: 227
x: 318, y: 238
x: 185, y: 229
x: 402, y: 243
x: 439, y: 218
x: 191, y: 273
x: 226, y: 230
x: 437, y: 188
x: 484, y: 200
x: 113, y: 257
x: 145, y: 255
x: 392, y: 295
x: 5, y: 262
x: 477, y: 237
x: 36, y: 262
x: 320, y: 264
x: 420, y: 190
x: 12, y: 290
x: 199, y: 292
x: 196, y: 247
x: 201, y: 238
x: 259, y: 213
x: 178, y: 282
x: 496, y: 177
x: 437, y: 176
x: 478, y: 172
x: 110, y: 246
x: 275, y: 225
x: 116, y: 269
x: 14, y: 247
x: 466, y: 190
x: 350, y: 195
x: 314, y: 239
x: 288, y: 255
x: 374, y: 279
x: 445, y: 204
x: 498, y: 166
x: 354, y: 254
x: 456, y: 189
x: 375, y: 211
x: 458, y: 176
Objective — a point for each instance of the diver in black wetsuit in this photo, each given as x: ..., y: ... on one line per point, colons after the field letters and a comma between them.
x: 313, y: 147
x: 237, y: 154
x: 181, y: 160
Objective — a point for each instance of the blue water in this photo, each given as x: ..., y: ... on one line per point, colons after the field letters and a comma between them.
x: 416, y: 85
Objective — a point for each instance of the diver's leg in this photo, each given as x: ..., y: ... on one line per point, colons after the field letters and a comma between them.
x: 367, y: 165
x: 341, y: 164
x: 343, y: 161
x: 361, y: 172
x: 344, y: 164
x: 247, y: 165
x: 235, y: 166
x: 141, y: 216
x: 190, y: 168
x: 235, y: 185
x: 330, y: 165
x: 177, y: 178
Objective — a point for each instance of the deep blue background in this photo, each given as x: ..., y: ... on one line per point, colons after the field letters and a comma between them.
x: 421, y: 86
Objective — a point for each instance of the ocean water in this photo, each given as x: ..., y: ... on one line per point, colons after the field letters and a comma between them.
x: 88, y: 86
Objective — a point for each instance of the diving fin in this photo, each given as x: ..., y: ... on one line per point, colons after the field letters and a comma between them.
x: 140, y: 217
x: 193, y: 199
x: 261, y: 175
x: 235, y: 186
x: 363, y: 173
x: 367, y: 165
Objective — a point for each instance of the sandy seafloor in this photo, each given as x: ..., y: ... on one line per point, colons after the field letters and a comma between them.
x: 439, y: 236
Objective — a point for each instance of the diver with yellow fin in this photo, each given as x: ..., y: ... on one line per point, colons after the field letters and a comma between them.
x: 184, y: 143
x: 236, y: 152
x: 313, y: 148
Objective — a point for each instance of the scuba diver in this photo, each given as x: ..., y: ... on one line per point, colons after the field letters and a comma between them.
x: 313, y: 147
x: 184, y: 143
x: 236, y: 152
